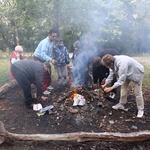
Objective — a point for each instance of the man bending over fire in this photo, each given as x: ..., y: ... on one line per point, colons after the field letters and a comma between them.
x: 127, y: 69
x: 101, y: 72
x: 27, y: 72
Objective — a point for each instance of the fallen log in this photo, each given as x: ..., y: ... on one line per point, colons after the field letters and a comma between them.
x: 78, y: 136
x: 4, y: 89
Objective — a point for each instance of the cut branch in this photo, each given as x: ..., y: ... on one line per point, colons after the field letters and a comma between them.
x: 4, y: 89
x: 66, y: 96
x: 78, y: 136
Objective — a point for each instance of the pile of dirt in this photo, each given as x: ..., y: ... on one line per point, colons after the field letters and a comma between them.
x: 96, y: 115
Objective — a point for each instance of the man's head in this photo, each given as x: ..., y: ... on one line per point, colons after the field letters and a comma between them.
x: 97, y: 62
x: 108, y: 61
x: 18, y: 49
x: 52, y: 34
x: 47, y: 67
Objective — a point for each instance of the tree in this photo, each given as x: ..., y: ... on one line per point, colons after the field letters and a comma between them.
x: 119, y: 24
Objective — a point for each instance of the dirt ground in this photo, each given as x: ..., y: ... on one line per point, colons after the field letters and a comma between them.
x: 95, y: 116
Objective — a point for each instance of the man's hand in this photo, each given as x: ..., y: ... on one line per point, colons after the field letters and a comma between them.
x: 43, y: 98
x: 103, y: 86
x: 108, y: 89
x: 95, y: 86
x: 53, y: 61
x: 103, y: 81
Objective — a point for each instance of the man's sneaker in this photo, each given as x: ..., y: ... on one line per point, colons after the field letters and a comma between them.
x: 140, y: 113
x: 118, y: 106
x: 50, y: 88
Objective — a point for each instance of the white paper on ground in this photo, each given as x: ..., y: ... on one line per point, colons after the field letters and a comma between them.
x: 37, y: 107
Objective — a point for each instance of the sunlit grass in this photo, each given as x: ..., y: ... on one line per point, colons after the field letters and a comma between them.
x: 146, y: 64
x: 5, y: 70
x: 146, y: 80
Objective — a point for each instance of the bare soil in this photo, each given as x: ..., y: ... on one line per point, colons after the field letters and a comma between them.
x: 65, y: 118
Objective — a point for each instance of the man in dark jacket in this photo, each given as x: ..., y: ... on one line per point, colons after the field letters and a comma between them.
x: 100, y: 71
x: 27, y: 72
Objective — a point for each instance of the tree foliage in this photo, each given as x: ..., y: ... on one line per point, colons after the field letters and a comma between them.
x: 119, y: 24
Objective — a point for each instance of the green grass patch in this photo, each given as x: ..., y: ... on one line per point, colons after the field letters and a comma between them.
x: 146, y: 80
x: 5, y: 70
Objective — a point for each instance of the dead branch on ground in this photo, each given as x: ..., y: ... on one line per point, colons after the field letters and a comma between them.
x: 78, y: 136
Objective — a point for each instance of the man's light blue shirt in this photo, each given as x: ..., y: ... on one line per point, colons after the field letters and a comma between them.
x: 44, y: 50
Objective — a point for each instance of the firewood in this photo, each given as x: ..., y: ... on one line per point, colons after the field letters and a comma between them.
x: 88, y: 92
x: 4, y: 89
x: 78, y: 136
x: 68, y: 94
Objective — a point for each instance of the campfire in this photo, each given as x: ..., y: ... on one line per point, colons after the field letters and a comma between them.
x: 88, y: 94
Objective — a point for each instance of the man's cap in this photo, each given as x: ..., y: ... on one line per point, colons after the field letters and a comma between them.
x: 48, y: 65
x: 18, y: 48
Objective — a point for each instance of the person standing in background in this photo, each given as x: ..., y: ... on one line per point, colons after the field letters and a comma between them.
x: 61, y: 56
x: 16, y: 56
x: 44, y: 52
x: 90, y: 51
x: 79, y: 67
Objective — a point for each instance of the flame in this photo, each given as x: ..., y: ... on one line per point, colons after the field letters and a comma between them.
x: 74, y: 93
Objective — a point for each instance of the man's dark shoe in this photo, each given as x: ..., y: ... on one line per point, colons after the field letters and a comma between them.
x: 29, y: 105
x: 29, y: 102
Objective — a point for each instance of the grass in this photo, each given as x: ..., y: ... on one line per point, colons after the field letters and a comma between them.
x: 5, y: 70
x: 146, y: 80
x: 146, y: 62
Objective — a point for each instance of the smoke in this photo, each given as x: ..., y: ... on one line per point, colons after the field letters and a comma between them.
x: 83, y: 55
x: 119, y: 24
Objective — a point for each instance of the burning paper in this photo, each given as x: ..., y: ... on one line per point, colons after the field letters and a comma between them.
x: 78, y: 100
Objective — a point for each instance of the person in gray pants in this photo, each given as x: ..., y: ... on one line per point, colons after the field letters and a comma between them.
x: 126, y: 69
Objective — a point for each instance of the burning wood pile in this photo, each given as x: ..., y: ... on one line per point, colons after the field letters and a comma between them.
x: 83, y: 92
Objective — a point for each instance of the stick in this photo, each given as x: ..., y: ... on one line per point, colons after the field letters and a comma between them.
x: 4, y: 89
x: 68, y: 94
x: 88, y: 92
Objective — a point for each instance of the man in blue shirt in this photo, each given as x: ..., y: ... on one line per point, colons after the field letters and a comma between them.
x: 43, y: 53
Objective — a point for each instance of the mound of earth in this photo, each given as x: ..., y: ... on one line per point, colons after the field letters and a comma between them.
x: 96, y: 115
